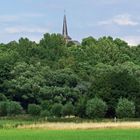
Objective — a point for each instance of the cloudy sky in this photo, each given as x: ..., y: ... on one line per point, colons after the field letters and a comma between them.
x: 33, y: 18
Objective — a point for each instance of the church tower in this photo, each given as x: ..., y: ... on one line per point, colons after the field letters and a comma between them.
x: 65, y: 30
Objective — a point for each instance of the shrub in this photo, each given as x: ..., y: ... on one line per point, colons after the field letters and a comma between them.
x: 45, y: 113
x: 3, y: 108
x: 125, y: 108
x: 68, y: 110
x: 34, y: 109
x: 3, y: 97
x: 57, y: 110
x: 81, y: 108
x: 14, y: 108
x: 96, y: 108
x: 46, y: 105
x: 10, y: 108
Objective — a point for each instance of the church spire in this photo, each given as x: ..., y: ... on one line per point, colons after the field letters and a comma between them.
x: 65, y: 29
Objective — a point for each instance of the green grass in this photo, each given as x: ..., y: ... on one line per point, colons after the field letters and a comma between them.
x: 8, y: 131
x: 5, y: 123
x: 108, y: 134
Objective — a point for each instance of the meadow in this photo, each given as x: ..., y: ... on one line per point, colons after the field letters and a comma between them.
x: 39, y: 134
x: 22, y: 129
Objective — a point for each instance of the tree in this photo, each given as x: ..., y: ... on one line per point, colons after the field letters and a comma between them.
x: 53, y: 47
x: 14, y: 108
x: 24, y: 86
x: 46, y: 105
x: 3, y: 97
x: 10, y: 108
x: 96, y: 108
x: 45, y: 113
x: 34, y: 109
x: 52, y: 71
x: 68, y: 109
x: 81, y: 107
x: 3, y: 108
x: 125, y: 108
x: 112, y: 82
x: 57, y: 110
x: 52, y: 40
x: 89, y: 41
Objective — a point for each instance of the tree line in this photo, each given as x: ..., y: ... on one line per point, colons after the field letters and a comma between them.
x: 99, y: 78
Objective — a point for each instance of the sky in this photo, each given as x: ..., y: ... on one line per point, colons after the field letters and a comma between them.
x: 97, y: 18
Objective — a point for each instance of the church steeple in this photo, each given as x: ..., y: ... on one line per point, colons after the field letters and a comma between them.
x: 65, y: 29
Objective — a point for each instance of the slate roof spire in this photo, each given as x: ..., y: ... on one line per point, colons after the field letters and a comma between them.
x: 65, y: 29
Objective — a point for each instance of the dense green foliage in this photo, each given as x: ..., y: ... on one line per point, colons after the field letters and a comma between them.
x: 57, y: 110
x: 34, y: 109
x: 52, y: 72
x: 125, y: 109
x: 68, y: 110
x: 10, y: 108
x: 96, y: 108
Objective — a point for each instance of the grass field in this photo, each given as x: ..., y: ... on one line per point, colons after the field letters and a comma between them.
x: 104, y: 134
x: 38, y: 130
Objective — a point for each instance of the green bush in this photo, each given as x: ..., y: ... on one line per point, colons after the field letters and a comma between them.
x: 14, y: 108
x: 68, y: 110
x: 3, y: 108
x: 45, y: 113
x: 3, y: 97
x: 34, y: 109
x: 125, y: 108
x: 80, y: 108
x: 46, y: 105
x: 10, y: 108
x: 96, y: 108
x: 57, y: 110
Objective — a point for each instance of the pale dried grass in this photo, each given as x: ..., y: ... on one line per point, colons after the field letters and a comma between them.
x: 82, y: 126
